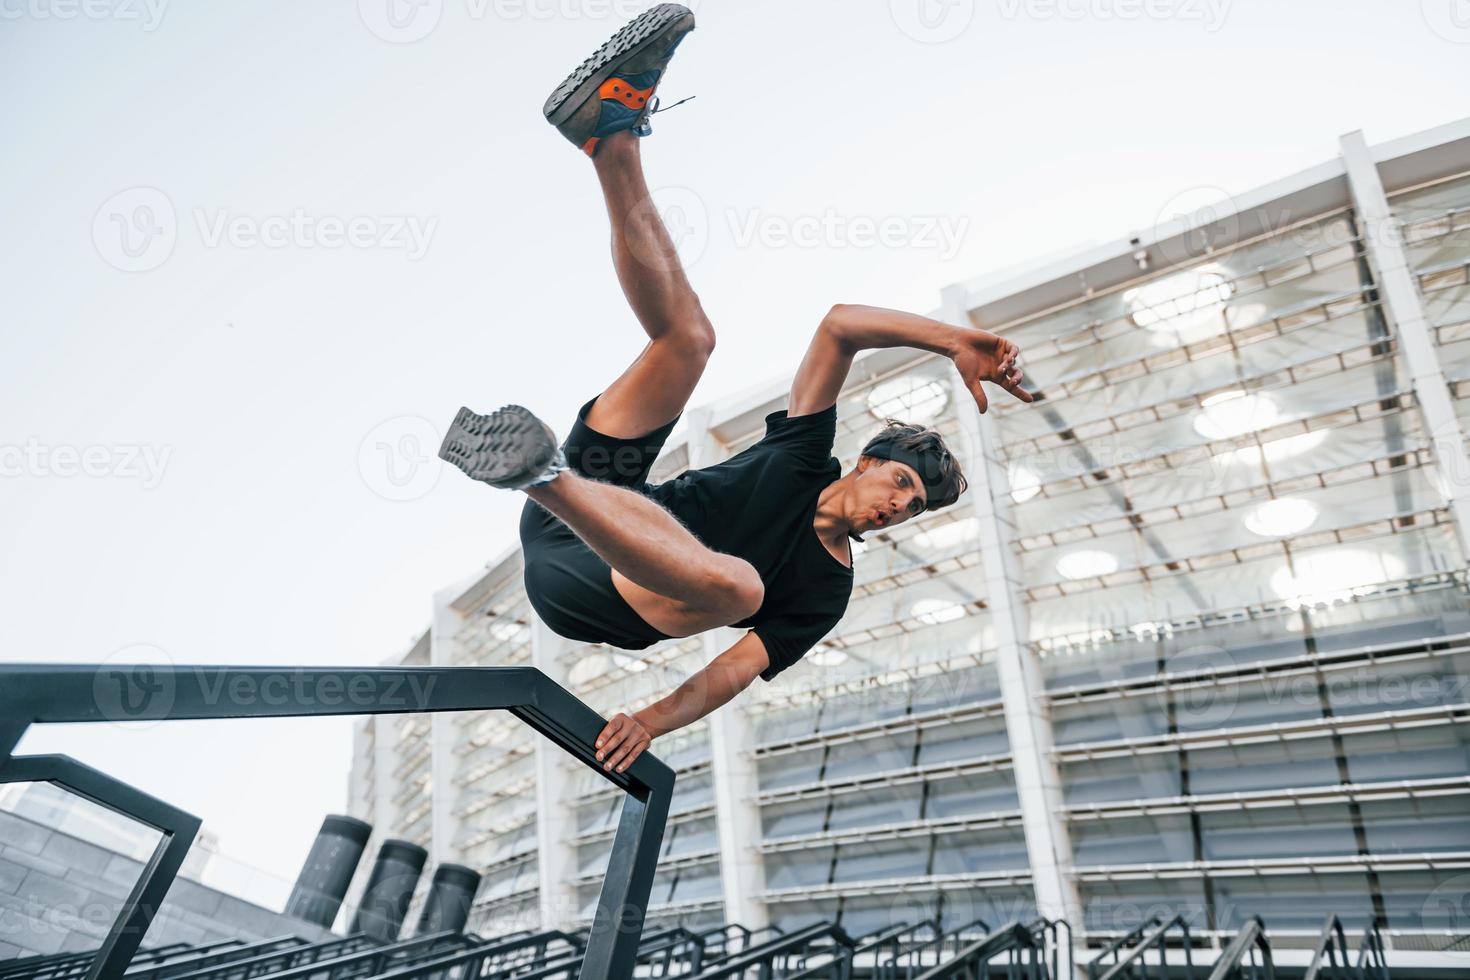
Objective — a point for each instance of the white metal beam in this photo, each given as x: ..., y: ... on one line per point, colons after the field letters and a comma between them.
x: 732, y: 755
x: 556, y: 829
x: 1383, y: 241
x: 1027, y: 708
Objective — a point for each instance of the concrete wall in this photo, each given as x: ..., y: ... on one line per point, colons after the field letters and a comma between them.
x: 60, y: 894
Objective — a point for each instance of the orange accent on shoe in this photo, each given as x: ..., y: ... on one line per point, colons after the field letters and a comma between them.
x: 620, y: 91
x: 590, y: 147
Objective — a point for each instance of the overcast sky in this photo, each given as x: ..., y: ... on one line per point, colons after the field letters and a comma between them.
x: 256, y: 254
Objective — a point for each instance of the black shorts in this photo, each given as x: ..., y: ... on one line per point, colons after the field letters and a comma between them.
x: 568, y: 584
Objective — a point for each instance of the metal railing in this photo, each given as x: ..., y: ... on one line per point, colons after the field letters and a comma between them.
x: 1025, y: 957
x: 1330, y: 956
x: 1248, y: 957
x: 69, y: 964
x: 1130, y: 953
x: 1372, y: 960
x: 1055, y: 936
x: 42, y: 693
x: 909, y: 959
x: 839, y: 961
x: 778, y: 957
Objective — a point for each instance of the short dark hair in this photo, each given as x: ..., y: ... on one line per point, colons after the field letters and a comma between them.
x: 939, y: 468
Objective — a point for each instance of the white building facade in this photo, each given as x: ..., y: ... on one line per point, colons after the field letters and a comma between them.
x: 1196, y: 640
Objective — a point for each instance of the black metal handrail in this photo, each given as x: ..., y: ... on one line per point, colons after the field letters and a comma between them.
x: 204, y: 957
x: 1330, y: 954
x: 912, y: 958
x: 176, y: 832
x: 779, y: 952
x: 55, y: 964
x: 659, y: 952
x: 1115, y: 948
x: 354, y: 956
x: 1026, y: 956
x: 41, y: 693
x: 841, y: 961
x: 1152, y: 935
x: 1055, y: 935
x: 1372, y: 963
x: 1248, y: 956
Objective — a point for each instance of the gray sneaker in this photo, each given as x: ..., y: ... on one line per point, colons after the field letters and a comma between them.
x: 614, y: 88
x: 511, y: 449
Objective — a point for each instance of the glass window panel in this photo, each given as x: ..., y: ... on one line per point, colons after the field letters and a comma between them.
x: 1137, y: 778
x: 1310, y: 831
x: 1121, y: 906
x: 1410, y: 753
x: 794, y: 819
x: 971, y: 795
x: 1293, y: 902
x: 1388, y: 686
x: 955, y: 741
x: 1417, y: 826
x: 870, y: 755
x: 1132, y: 840
x: 789, y: 768
x: 1241, y: 768
x: 889, y: 859
x: 889, y: 804
x: 974, y: 853
x: 798, y: 869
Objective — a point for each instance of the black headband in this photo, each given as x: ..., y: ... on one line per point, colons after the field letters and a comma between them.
x: 930, y: 467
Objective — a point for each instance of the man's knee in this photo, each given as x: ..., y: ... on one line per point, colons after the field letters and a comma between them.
x: 741, y: 591
x: 694, y: 339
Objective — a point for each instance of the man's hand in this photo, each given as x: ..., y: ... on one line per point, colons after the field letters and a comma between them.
x: 982, y: 356
x: 621, y: 741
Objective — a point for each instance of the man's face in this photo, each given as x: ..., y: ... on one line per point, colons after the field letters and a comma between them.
x: 887, y: 494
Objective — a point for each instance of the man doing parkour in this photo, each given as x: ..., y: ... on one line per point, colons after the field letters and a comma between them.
x: 759, y: 541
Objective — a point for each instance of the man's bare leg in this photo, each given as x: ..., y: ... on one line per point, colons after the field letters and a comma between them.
x: 655, y: 388
x: 693, y: 589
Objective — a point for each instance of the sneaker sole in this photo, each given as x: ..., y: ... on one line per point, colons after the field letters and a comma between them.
x: 502, y: 448
x: 585, y: 80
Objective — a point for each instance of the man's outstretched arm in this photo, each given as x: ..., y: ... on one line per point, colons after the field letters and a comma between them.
x: 626, y: 736
x: 846, y: 329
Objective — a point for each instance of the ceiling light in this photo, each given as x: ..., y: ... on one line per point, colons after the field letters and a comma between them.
x: 1025, y: 483
x: 826, y: 655
x: 915, y: 399
x: 1187, y: 303
x: 632, y: 665
x: 1086, y: 564
x: 1276, y: 450
x: 507, y: 630
x: 1281, y: 518
x: 1234, y: 413
x: 936, y: 611
x: 948, y: 535
x: 1318, y: 578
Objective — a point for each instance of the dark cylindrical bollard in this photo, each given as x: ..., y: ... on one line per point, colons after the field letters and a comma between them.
x: 328, y: 870
x: 389, y: 890
x: 451, y: 894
